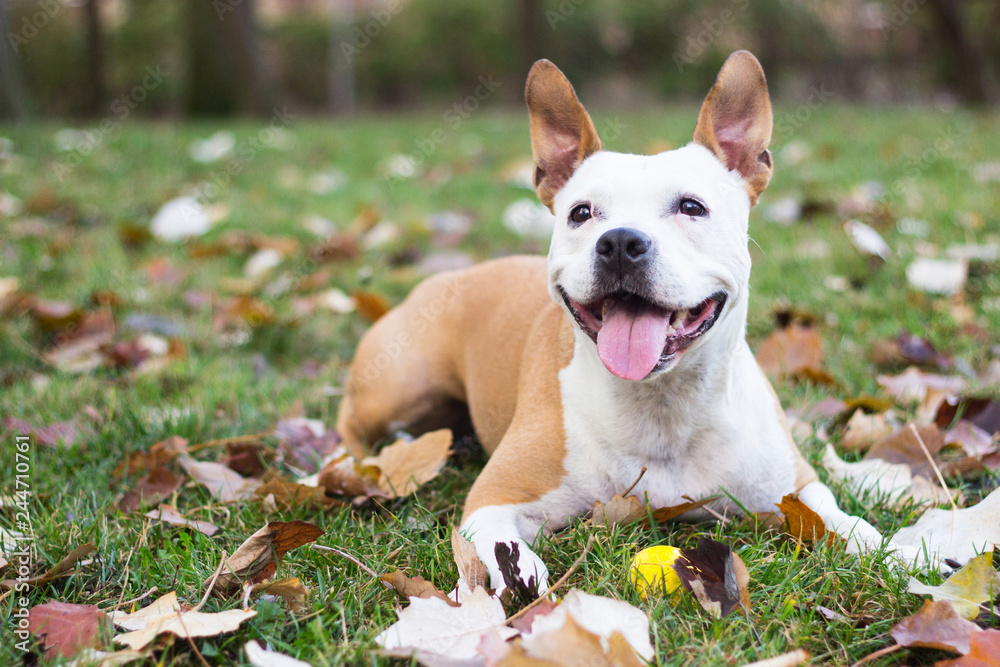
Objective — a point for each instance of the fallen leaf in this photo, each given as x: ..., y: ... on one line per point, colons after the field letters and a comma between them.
x: 791, y: 351
x: 983, y: 412
x: 169, y: 514
x: 89, y: 657
x: 225, y: 485
x: 471, y: 570
x: 66, y: 629
x: 866, y: 240
x: 345, y: 476
x: 907, y: 348
x: 156, y: 485
x: 935, y: 625
x: 180, y: 219
x: 801, y: 522
x: 956, y: 534
x: 415, y: 587
x: 262, y: 657
x: 258, y: 557
x: 570, y: 644
x: 79, y: 349
x: 290, y: 589
x: 617, y: 511
x: 904, y: 446
x: 406, y: 466
x: 305, y: 442
x: 984, y: 651
x: 973, y: 440
x: 159, y: 454
x: 863, y: 430
x: 716, y: 576
x: 914, y: 384
x: 292, y: 495
x: 603, y: 618
x: 167, y: 615
x: 432, y: 626
x: 665, y: 514
x: 370, y: 305
x: 63, y: 568
x: 937, y: 276
x: 967, y: 589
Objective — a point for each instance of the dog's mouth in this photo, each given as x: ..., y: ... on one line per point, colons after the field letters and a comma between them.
x: 635, y: 335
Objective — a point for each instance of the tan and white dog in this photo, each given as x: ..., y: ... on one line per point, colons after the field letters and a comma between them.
x: 633, y: 356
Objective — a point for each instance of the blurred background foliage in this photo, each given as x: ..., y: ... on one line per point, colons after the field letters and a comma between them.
x: 222, y: 57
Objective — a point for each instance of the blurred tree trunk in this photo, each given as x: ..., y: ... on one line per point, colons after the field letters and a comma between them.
x: 13, y: 100
x: 528, y: 15
x: 96, y: 88
x: 971, y: 67
x: 341, y: 60
x: 225, y: 73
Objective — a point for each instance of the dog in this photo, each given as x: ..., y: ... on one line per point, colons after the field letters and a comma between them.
x: 625, y: 350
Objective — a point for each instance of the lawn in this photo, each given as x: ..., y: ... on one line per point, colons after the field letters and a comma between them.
x: 77, y: 232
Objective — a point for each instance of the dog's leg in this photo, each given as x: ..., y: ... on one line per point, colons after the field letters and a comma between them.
x: 861, y: 536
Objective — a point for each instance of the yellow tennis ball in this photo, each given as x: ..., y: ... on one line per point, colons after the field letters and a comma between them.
x: 651, y: 570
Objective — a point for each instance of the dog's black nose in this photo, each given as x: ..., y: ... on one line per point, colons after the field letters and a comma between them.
x: 623, y: 250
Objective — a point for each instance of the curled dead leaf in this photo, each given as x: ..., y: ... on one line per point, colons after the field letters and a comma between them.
x: 258, y: 557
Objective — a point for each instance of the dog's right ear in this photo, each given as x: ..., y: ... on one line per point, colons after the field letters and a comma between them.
x: 562, y: 134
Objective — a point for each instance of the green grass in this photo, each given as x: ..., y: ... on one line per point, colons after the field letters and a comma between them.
x: 228, y: 391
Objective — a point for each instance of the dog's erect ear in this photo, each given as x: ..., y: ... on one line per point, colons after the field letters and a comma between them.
x: 562, y: 134
x: 735, y: 121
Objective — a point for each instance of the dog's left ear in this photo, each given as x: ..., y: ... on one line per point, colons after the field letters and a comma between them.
x: 562, y: 134
x: 735, y: 121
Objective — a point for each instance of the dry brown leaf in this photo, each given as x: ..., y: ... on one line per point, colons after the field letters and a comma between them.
x: 257, y: 558
x: 160, y: 454
x: 415, y: 587
x: 156, y: 485
x: 169, y: 514
x: 406, y: 466
x: 664, y: 514
x: 167, y: 615
x: 791, y: 351
x: 984, y: 651
x: 345, y: 476
x: 372, y: 306
x: 66, y: 629
x: 864, y: 430
x: 617, y: 511
x: 471, y: 570
x: 79, y: 348
x: 716, y: 576
x: 290, y: 589
x: 573, y: 646
x: 291, y: 495
x: 801, y: 522
x: 903, y: 446
x: 935, y: 625
x: 63, y: 568
x: 225, y: 484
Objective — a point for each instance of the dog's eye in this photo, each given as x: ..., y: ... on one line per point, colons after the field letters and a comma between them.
x: 692, y: 208
x: 580, y: 214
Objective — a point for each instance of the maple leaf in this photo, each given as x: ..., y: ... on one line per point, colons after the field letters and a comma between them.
x: 258, y: 557
x: 406, y: 466
x: 167, y: 615
x: 967, y: 589
x: 801, y: 522
x: 617, y: 511
x: 64, y: 628
x: 935, y: 625
x: 791, y: 351
x: 433, y: 627
x: 262, y: 657
x: 956, y: 534
x: 716, y: 576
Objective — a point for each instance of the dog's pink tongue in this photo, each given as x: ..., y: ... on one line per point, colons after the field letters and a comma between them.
x: 630, y: 342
